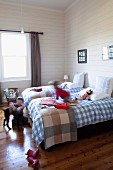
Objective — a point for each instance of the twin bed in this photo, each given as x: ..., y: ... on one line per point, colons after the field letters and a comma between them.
x: 86, y: 112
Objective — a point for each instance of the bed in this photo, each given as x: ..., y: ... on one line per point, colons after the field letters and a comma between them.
x: 87, y: 112
x: 48, y: 91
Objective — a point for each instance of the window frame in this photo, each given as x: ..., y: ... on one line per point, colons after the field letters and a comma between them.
x: 28, y: 61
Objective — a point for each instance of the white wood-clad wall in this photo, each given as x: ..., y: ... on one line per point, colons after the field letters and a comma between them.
x: 89, y: 25
x: 52, y: 42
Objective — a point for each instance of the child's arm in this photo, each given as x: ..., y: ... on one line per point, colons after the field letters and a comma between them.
x: 88, y: 97
x: 20, y: 108
x: 84, y: 96
x: 57, y: 96
x: 81, y: 98
x: 12, y: 106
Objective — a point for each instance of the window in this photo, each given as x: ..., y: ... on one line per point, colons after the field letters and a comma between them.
x: 15, y: 56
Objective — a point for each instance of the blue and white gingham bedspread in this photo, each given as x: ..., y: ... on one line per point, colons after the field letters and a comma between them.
x: 49, y: 91
x: 86, y: 113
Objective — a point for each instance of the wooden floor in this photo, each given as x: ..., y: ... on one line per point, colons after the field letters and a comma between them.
x: 88, y: 153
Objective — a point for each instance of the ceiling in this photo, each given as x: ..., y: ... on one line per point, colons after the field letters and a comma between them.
x: 61, y: 5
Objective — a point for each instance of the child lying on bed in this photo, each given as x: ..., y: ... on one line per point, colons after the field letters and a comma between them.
x: 86, y: 95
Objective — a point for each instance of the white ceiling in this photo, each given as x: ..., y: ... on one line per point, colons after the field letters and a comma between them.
x: 51, y: 4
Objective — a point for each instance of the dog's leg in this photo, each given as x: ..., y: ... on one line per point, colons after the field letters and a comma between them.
x: 5, y: 118
x: 7, y: 115
x: 4, y: 122
x: 7, y: 124
x: 8, y: 127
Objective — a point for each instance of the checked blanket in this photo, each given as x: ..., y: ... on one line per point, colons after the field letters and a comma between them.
x: 29, y: 94
x: 59, y: 126
x: 86, y: 113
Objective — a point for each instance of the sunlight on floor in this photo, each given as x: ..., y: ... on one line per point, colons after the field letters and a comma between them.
x: 13, y: 135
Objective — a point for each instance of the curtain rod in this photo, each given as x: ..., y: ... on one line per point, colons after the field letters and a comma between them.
x: 24, y: 31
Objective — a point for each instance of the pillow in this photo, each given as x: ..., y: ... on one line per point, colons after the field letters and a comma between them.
x: 79, y: 79
x: 34, y: 95
x: 98, y: 95
x: 64, y: 84
x: 70, y: 85
x: 104, y: 84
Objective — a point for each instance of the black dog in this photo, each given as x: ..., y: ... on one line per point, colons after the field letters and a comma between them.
x: 7, y: 116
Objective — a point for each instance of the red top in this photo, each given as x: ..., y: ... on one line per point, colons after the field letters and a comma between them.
x: 61, y: 93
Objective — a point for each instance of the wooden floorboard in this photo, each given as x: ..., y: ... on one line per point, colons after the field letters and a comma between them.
x: 90, y: 152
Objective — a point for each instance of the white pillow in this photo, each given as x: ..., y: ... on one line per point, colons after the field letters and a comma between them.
x: 34, y: 95
x: 98, y: 95
x: 79, y: 79
x: 104, y: 84
x: 70, y: 85
x: 65, y: 84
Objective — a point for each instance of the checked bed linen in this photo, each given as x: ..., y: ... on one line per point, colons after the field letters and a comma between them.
x: 59, y: 126
x: 86, y: 113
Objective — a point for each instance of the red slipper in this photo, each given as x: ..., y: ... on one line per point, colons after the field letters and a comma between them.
x: 32, y: 153
x: 34, y: 161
